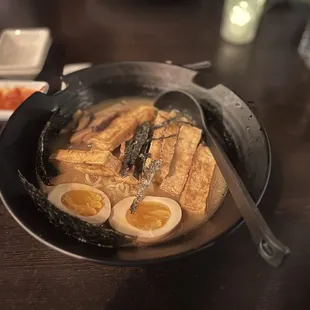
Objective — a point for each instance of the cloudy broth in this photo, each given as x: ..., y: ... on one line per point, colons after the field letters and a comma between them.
x: 116, y: 190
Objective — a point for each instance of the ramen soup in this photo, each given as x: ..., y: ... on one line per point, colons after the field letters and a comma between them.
x: 142, y: 172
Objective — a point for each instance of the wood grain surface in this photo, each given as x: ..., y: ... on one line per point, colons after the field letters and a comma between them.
x: 269, y: 74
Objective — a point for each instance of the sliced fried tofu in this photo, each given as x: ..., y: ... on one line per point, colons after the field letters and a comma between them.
x: 88, y: 136
x: 84, y: 135
x: 118, y: 131
x: 196, y: 190
x: 79, y: 136
x: 122, y: 128
x: 185, y: 149
x: 83, y: 156
x: 103, y: 160
x: 99, y: 122
x: 84, y: 121
x: 108, y: 112
x: 73, y: 123
x: 144, y: 113
x: 158, y: 133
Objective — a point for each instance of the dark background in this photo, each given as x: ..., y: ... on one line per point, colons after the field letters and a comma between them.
x: 268, y: 74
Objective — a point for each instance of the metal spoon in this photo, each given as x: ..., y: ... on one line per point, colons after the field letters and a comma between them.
x: 269, y: 247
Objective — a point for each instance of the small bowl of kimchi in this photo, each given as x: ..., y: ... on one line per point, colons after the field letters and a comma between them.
x: 14, y: 93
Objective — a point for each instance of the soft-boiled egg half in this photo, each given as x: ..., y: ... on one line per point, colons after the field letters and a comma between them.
x: 155, y: 217
x: 83, y: 201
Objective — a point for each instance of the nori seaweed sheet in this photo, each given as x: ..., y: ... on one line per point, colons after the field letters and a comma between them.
x: 136, y: 148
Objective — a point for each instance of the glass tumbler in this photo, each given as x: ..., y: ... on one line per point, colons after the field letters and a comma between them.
x: 240, y: 20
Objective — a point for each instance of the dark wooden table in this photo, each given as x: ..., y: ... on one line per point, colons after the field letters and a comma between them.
x: 269, y: 74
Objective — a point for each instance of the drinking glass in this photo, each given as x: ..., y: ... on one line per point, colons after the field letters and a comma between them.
x: 240, y: 20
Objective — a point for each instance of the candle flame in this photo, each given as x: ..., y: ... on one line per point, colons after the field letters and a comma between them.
x: 240, y: 16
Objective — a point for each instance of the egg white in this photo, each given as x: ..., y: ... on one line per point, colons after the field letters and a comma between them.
x: 58, y: 191
x: 119, y: 221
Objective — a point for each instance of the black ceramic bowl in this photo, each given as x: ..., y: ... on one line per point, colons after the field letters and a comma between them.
x: 229, y: 118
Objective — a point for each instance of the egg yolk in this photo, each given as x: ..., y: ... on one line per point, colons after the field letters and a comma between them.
x: 149, y: 216
x: 82, y: 202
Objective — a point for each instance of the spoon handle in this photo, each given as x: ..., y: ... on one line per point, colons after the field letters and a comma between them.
x: 269, y: 247
x: 196, y: 66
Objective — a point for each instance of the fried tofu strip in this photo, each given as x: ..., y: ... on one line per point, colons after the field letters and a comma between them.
x: 158, y: 133
x: 73, y: 123
x: 196, y: 190
x: 111, y: 110
x: 102, y: 159
x: 185, y: 149
x: 79, y: 136
x: 119, y: 130
x: 143, y: 113
x: 84, y: 121
x: 86, y: 130
x: 122, y: 127
x: 83, y: 156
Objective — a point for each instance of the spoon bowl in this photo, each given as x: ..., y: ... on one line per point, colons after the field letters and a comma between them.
x: 269, y: 247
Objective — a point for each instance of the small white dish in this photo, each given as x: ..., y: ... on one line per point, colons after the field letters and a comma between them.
x: 23, y: 52
x: 10, y: 84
